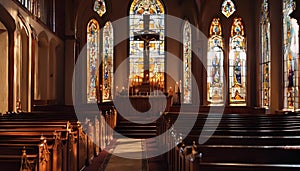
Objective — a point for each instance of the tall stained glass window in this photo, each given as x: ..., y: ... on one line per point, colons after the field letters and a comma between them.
x: 228, y: 8
x: 147, y: 43
x: 107, y: 62
x: 237, y: 63
x: 291, y: 56
x: 100, y: 7
x: 215, y: 58
x: 265, y: 54
x: 187, y: 63
x: 92, y: 60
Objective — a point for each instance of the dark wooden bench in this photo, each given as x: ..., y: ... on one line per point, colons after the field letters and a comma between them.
x: 40, y: 140
x: 78, y: 142
x: 240, y: 142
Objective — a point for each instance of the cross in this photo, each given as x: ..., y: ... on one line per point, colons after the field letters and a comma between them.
x: 146, y: 35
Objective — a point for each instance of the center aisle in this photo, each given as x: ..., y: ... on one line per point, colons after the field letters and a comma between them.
x: 128, y: 149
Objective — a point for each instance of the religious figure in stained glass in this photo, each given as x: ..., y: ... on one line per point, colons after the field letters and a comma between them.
x: 228, y: 8
x: 265, y: 62
x: 291, y: 56
x: 147, y: 44
x: 107, y: 62
x: 100, y: 7
x: 215, y: 58
x: 237, y: 63
x: 92, y: 60
x: 187, y: 63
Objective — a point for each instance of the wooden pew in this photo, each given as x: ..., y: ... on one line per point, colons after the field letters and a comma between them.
x: 81, y: 144
x: 44, y: 139
x: 242, y: 132
x: 22, y: 134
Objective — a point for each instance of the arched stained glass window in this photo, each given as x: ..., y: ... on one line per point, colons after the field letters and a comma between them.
x: 215, y: 58
x: 147, y: 44
x: 100, y: 7
x: 291, y: 57
x: 237, y: 63
x: 107, y: 62
x: 265, y: 54
x: 92, y: 60
x: 187, y: 63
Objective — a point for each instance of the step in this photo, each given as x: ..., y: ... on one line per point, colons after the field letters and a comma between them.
x: 135, y: 128
x: 138, y: 135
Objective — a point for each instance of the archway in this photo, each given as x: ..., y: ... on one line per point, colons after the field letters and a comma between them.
x: 4, y: 95
x: 22, y: 72
x: 52, y: 72
x: 41, y: 71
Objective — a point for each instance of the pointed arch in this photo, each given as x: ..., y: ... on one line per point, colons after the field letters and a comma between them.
x: 23, y: 89
x: 291, y: 56
x: 41, y: 70
x: 187, y: 63
x: 215, y: 62
x: 107, y: 62
x: 4, y: 68
x: 10, y: 26
x: 93, y: 39
x: 237, y: 63
x: 147, y: 17
x: 265, y: 56
x: 53, y: 70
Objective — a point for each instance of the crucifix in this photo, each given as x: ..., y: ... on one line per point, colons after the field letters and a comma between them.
x: 146, y: 35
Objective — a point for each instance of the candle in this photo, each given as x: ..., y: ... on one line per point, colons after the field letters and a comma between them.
x: 176, y: 87
x: 128, y: 86
x: 180, y: 88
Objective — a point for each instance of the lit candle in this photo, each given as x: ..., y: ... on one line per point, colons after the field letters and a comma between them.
x: 128, y: 86
x: 176, y: 87
x: 180, y: 88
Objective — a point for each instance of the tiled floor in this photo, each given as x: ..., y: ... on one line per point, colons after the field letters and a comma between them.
x: 126, y: 156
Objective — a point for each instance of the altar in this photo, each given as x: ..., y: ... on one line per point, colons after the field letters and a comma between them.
x: 143, y: 105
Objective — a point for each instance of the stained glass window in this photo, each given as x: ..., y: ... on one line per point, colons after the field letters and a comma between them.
x: 26, y: 3
x: 107, y: 62
x: 147, y: 43
x: 100, y: 7
x: 187, y: 63
x: 92, y: 60
x: 215, y: 58
x: 291, y: 56
x: 228, y: 8
x: 265, y: 54
x: 237, y: 63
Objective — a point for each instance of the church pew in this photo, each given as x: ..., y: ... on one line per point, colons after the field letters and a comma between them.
x: 32, y: 137
x: 12, y: 162
x: 87, y: 133
x: 238, y: 154
x: 44, y: 160
x: 252, y: 154
x: 23, y: 135
x: 246, y: 167
x: 241, y: 126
